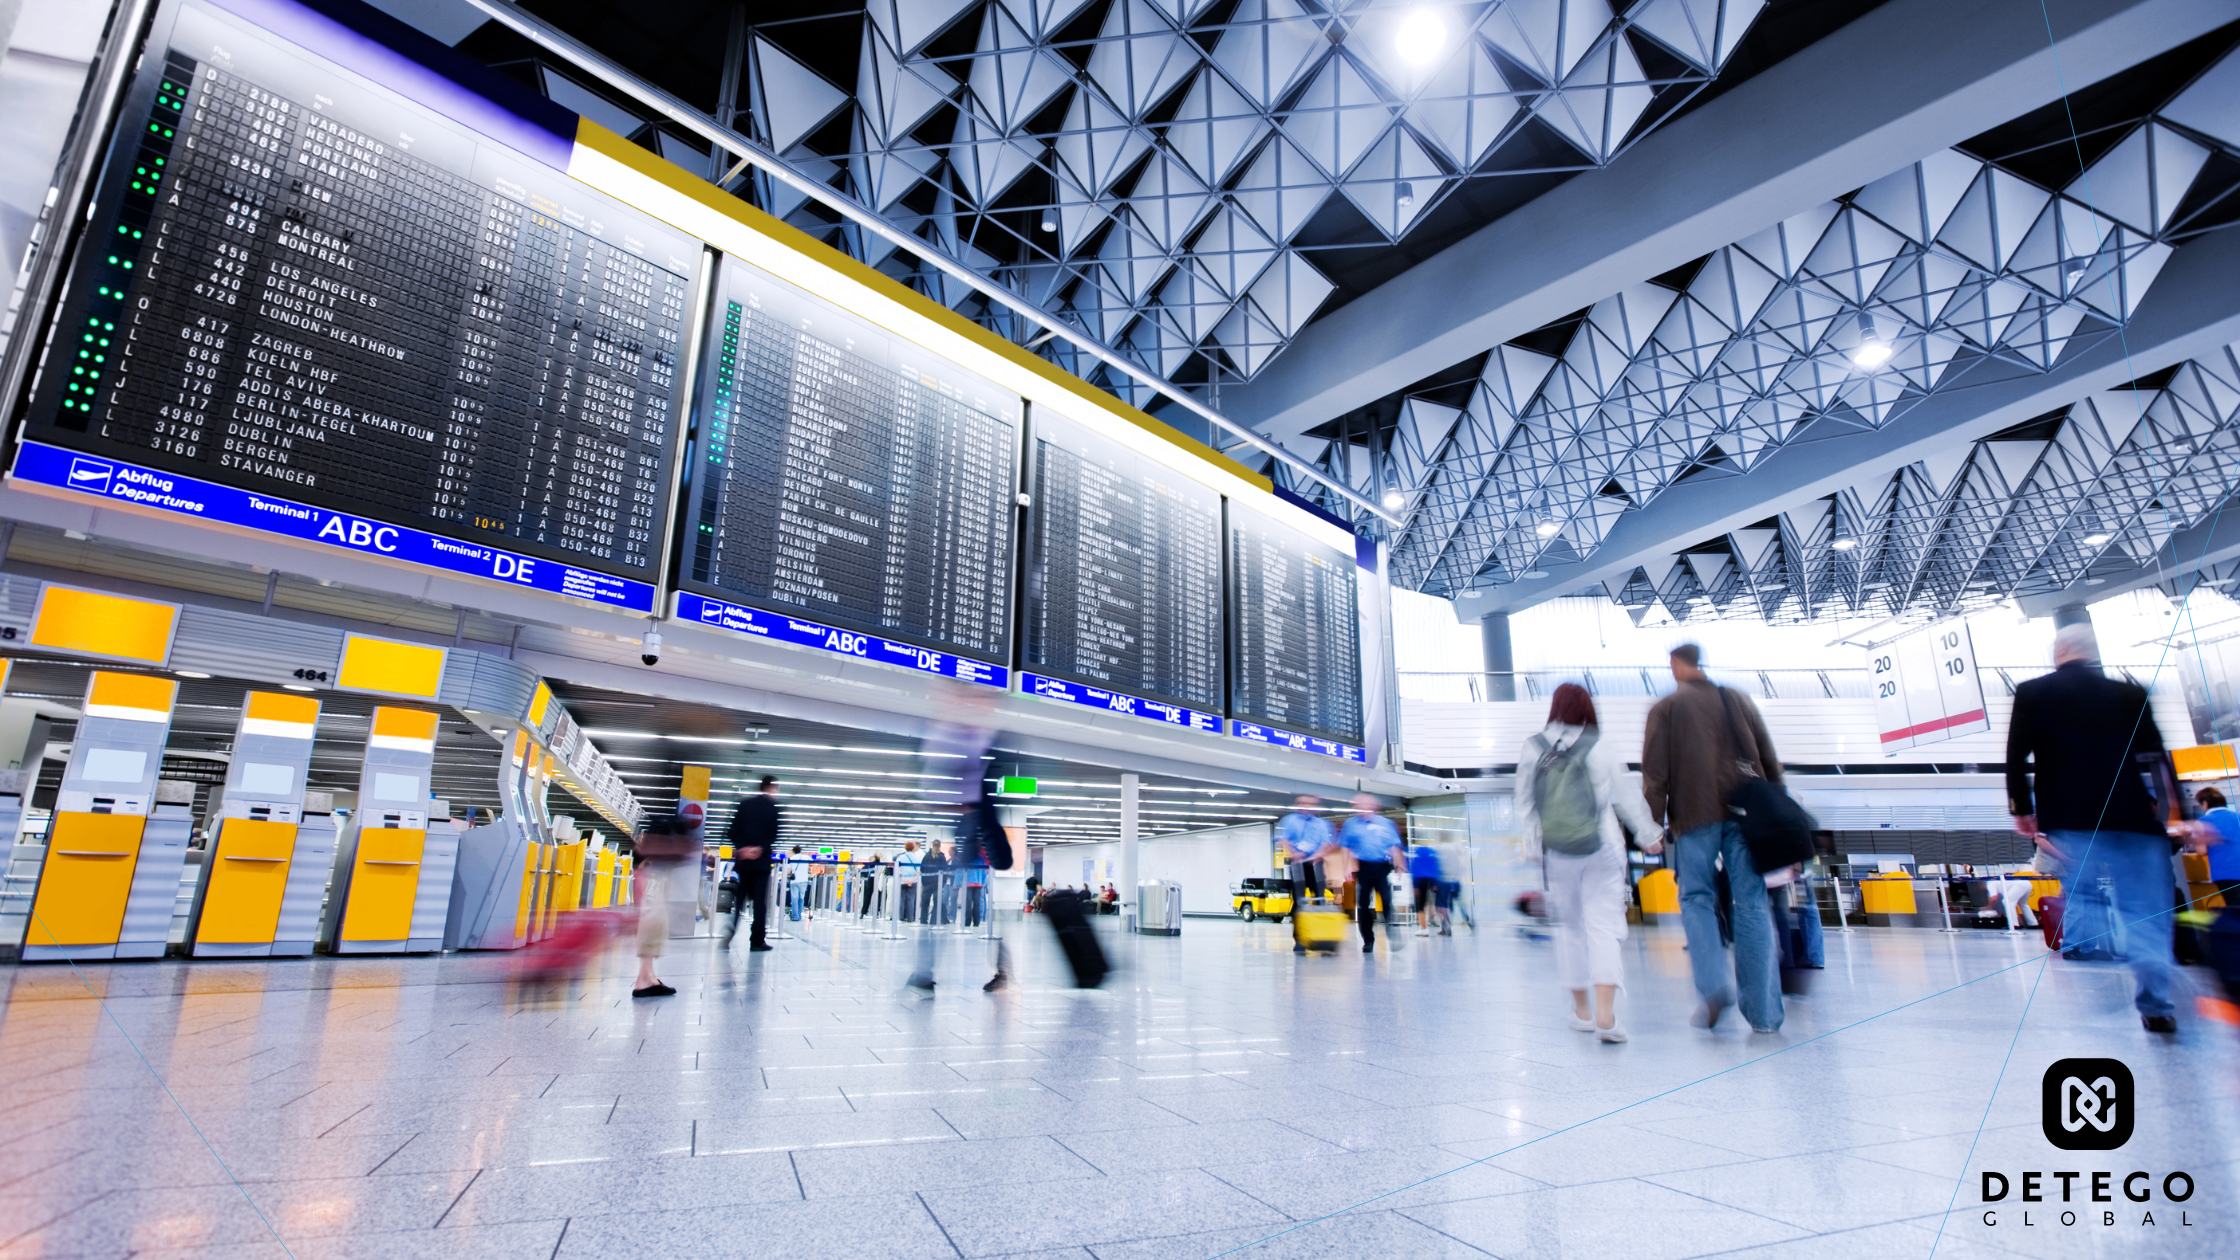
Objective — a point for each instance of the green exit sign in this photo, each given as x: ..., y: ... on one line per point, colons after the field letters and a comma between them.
x: 1014, y: 785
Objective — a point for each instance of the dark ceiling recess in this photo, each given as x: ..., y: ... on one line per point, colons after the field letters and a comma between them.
x: 842, y: 785
x: 2052, y: 145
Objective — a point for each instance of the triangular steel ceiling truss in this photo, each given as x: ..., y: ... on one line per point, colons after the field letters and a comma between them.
x: 1145, y: 167
x: 1960, y: 271
x: 1991, y: 521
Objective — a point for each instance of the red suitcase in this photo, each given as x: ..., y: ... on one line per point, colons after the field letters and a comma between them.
x: 2049, y: 919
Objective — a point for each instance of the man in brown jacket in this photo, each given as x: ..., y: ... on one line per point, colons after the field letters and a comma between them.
x: 1690, y: 757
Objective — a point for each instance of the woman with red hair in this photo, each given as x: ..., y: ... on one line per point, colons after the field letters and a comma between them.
x: 1571, y: 792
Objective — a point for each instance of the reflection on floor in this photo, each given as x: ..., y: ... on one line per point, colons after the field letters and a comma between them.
x: 1218, y: 1092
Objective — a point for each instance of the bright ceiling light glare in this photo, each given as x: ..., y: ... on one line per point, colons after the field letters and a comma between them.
x: 1548, y: 529
x: 1872, y: 354
x: 1844, y: 544
x: 2096, y: 540
x: 1421, y: 38
x: 1393, y: 499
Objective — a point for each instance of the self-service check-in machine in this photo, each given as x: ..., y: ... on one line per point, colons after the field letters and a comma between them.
x: 266, y: 877
x: 499, y: 861
x: 392, y: 889
x: 110, y: 881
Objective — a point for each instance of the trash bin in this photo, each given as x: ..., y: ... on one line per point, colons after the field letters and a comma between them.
x: 1158, y: 908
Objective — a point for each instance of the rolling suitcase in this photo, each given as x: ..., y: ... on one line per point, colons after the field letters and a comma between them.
x: 1320, y: 924
x: 1068, y: 913
x: 2049, y: 919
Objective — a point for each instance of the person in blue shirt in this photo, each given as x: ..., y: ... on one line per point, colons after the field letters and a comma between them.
x: 1423, y: 869
x: 2224, y: 851
x: 1376, y: 845
x: 1301, y: 837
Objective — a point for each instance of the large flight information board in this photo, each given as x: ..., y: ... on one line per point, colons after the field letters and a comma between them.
x: 1295, y: 630
x: 304, y: 284
x: 1123, y: 576
x: 846, y: 476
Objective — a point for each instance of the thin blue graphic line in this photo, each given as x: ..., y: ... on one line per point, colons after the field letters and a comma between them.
x: 1977, y: 1139
x: 165, y: 1085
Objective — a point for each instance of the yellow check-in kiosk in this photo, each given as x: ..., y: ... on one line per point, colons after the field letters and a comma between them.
x: 393, y: 877
x: 266, y: 877
x: 110, y: 882
x: 602, y: 880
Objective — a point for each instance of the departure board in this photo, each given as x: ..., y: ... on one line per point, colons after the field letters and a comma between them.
x: 1123, y: 577
x: 1295, y: 630
x: 843, y: 475
x: 301, y: 282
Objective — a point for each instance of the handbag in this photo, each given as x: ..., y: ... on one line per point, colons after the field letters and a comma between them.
x: 1776, y: 828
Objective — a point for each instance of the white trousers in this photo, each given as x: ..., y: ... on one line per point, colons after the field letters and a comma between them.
x: 1587, y: 899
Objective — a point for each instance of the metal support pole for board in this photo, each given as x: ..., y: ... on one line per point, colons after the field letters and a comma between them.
x: 1843, y: 923
x: 1944, y: 907
x: 963, y: 925
x: 892, y: 879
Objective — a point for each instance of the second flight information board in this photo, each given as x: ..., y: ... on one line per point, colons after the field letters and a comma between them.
x: 303, y: 284
x: 1123, y: 570
x: 843, y: 475
x: 1295, y: 630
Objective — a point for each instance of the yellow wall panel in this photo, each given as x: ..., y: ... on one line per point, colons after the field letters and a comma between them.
x: 71, y: 620
x: 405, y: 669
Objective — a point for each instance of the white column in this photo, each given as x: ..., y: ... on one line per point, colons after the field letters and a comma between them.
x: 1128, y: 786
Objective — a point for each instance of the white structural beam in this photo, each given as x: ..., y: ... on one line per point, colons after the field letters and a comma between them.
x: 2193, y: 310
x: 1904, y: 81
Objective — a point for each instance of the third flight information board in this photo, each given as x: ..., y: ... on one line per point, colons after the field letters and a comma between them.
x: 304, y: 284
x: 843, y: 475
x: 1123, y: 570
x: 1295, y: 630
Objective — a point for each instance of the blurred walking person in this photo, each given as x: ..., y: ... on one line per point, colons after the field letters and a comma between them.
x: 1423, y: 872
x: 754, y: 841
x: 664, y: 854
x: 1302, y: 837
x: 2105, y: 796
x: 957, y: 748
x: 1376, y: 845
x: 1571, y: 793
x: 907, y: 866
x: 1693, y: 755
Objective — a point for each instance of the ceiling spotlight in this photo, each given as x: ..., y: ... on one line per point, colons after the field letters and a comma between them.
x: 1407, y: 194
x: 1421, y: 38
x: 1548, y: 529
x: 1872, y: 351
x: 1049, y: 224
x: 1844, y: 544
x: 2077, y: 277
x: 2095, y: 540
x: 1393, y: 500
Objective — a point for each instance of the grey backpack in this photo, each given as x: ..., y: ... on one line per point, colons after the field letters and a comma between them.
x: 1563, y: 797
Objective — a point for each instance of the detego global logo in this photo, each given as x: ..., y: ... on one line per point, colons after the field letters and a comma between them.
x: 2088, y: 1105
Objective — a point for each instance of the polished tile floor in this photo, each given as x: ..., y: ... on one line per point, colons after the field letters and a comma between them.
x: 1219, y: 1097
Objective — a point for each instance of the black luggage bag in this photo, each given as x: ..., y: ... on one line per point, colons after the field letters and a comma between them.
x: 1068, y: 913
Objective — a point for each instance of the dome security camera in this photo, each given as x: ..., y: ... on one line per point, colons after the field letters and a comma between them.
x: 649, y: 648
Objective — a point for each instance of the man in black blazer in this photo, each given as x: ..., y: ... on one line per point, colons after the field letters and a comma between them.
x: 754, y: 838
x: 2102, y: 803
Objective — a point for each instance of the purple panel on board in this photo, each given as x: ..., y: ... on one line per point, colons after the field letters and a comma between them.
x: 368, y: 42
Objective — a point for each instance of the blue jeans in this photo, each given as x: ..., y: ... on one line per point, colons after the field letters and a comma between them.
x: 2146, y: 893
x: 1697, y: 853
